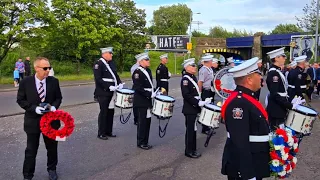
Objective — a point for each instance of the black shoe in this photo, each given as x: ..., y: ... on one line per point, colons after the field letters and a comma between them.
x: 145, y: 147
x: 193, y: 155
x: 103, y: 137
x: 111, y: 135
x: 53, y: 175
x: 205, y: 132
x: 27, y: 178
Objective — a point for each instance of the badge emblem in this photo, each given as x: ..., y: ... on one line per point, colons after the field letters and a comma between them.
x: 299, y: 76
x: 185, y: 82
x: 96, y: 66
x: 275, y: 78
x: 237, y: 113
x: 158, y: 71
x: 136, y: 76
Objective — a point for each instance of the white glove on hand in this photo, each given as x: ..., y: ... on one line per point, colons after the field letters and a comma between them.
x: 202, y: 103
x: 169, y: 74
x: 39, y: 109
x: 112, y: 88
x: 158, y: 93
x: 294, y: 105
x: 253, y: 178
x: 296, y: 99
x: 120, y: 86
x: 53, y: 109
x: 208, y: 100
x: 153, y: 94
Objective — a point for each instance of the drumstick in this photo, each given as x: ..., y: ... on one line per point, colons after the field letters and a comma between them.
x: 157, y: 90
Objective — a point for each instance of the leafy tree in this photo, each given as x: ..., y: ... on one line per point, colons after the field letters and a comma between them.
x: 308, y: 20
x: 198, y: 34
x: 286, y: 28
x: 17, y: 19
x: 171, y: 20
x: 219, y: 32
x: 132, y: 23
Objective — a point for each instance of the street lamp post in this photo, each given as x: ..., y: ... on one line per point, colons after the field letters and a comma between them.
x: 317, y: 31
x: 191, y: 14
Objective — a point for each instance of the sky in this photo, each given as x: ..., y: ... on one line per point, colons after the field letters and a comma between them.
x: 251, y: 15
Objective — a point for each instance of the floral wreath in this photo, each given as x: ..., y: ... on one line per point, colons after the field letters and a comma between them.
x: 217, y: 82
x: 283, y: 150
x: 47, y: 130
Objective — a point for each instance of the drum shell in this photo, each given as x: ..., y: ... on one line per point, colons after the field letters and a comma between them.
x: 300, y: 122
x: 210, y: 117
x: 124, y: 100
x: 162, y: 109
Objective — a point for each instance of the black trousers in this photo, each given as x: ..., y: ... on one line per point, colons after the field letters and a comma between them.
x: 143, y: 127
x: 237, y: 178
x: 21, y: 75
x: 191, y: 134
x: 31, y: 153
x: 206, y: 94
x: 275, y: 122
x: 105, y: 119
x: 135, y: 114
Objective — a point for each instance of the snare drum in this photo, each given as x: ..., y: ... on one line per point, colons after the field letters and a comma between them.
x: 210, y: 115
x: 301, y: 119
x: 124, y: 98
x: 163, y: 106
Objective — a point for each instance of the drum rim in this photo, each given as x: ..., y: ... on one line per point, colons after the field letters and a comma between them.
x: 165, y: 100
x: 215, y: 110
x: 305, y: 113
x: 119, y: 91
x: 123, y: 107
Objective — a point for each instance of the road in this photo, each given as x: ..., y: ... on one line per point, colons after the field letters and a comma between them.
x: 83, y: 156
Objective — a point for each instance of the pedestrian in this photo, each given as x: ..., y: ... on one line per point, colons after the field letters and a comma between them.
x: 20, y: 66
x: 107, y: 82
x: 27, y: 67
x: 32, y: 92
x: 246, y: 152
x: 191, y: 106
x: 16, y: 77
x: 142, y: 100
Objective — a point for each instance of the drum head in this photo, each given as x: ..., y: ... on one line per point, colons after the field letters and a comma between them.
x: 213, y: 107
x: 306, y: 110
x: 125, y: 91
x: 165, y: 98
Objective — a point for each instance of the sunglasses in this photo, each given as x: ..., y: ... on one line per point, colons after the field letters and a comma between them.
x: 193, y: 65
x: 147, y: 59
x: 46, y: 68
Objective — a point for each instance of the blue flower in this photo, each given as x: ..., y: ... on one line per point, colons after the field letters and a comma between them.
x: 276, y: 169
x: 278, y: 140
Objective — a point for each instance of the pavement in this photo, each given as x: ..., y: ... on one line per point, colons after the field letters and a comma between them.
x: 84, y: 157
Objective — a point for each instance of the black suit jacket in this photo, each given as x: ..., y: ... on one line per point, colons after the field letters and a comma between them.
x: 28, y: 99
x: 310, y: 73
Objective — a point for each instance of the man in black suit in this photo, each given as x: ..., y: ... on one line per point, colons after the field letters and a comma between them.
x: 27, y: 67
x: 34, y: 90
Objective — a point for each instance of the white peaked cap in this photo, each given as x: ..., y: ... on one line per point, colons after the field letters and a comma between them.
x: 188, y: 62
x: 277, y: 52
x: 107, y: 49
x: 247, y: 67
x: 300, y: 58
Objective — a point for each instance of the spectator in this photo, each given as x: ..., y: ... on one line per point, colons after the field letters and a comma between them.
x: 16, y: 77
x: 20, y: 66
x: 27, y: 67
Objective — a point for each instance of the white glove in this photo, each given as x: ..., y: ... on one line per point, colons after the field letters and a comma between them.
x: 153, y: 94
x: 208, y: 100
x: 202, y: 103
x: 53, y: 109
x: 112, y: 88
x: 158, y: 93
x: 39, y: 109
x: 169, y: 74
x: 253, y: 178
x: 294, y: 105
x: 120, y: 86
x: 296, y: 99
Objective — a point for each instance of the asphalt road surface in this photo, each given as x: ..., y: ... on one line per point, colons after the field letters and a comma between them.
x: 83, y: 156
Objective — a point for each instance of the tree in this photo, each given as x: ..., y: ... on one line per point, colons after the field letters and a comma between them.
x: 171, y: 20
x: 198, y: 34
x: 308, y: 20
x: 17, y: 19
x: 219, y: 32
x: 285, y: 29
x: 132, y: 23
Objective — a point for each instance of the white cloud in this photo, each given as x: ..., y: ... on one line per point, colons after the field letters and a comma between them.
x: 251, y: 15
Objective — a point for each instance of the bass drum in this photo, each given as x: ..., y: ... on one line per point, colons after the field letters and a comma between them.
x: 223, y: 83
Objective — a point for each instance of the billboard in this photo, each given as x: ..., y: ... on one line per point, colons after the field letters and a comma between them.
x: 303, y: 45
x: 170, y: 42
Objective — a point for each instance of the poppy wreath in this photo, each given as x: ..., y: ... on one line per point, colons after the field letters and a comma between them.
x: 47, y: 130
x: 218, y: 86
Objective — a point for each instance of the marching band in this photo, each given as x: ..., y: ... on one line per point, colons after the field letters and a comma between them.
x: 248, y: 124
